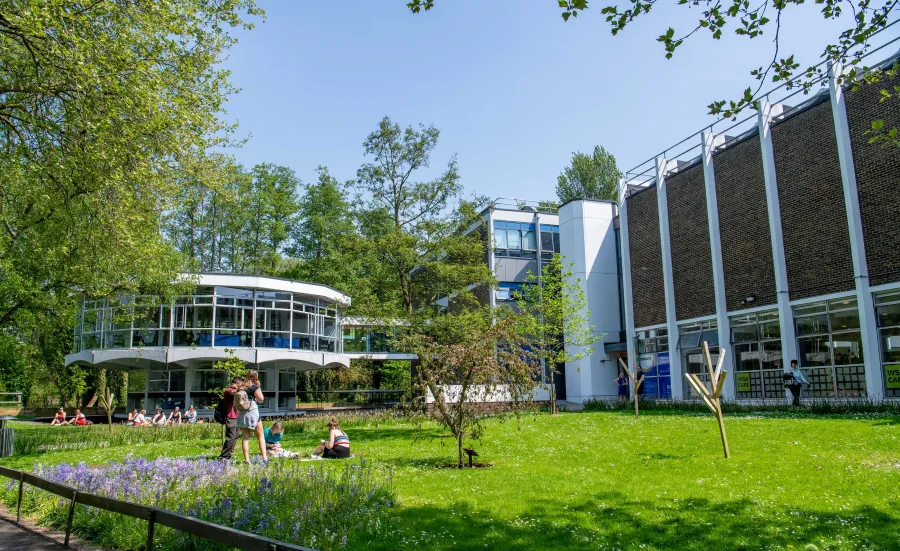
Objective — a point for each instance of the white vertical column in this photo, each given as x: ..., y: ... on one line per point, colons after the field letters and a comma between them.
x: 785, y: 315
x: 668, y: 282
x: 625, y: 252
x: 708, y: 145
x: 492, y: 299
x: 868, y: 324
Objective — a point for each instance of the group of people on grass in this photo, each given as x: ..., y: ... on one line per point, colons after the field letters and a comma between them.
x: 240, y: 411
x: 79, y: 420
x: 794, y: 379
x: 139, y: 418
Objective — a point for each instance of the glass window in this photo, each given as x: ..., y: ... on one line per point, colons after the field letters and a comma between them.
x: 845, y: 319
x: 528, y: 242
x: 546, y: 241
x: 847, y: 348
x: 888, y: 314
x: 812, y: 325
x: 500, y: 239
x: 814, y: 351
x: 890, y: 344
x: 744, y: 333
x: 689, y: 340
x: 556, y: 248
x: 514, y: 239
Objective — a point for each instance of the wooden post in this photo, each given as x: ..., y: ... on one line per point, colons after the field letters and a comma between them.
x: 71, y: 518
x: 19, y: 503
x: 634, y: 383
x: 151, y: 525
x: 712, y: 396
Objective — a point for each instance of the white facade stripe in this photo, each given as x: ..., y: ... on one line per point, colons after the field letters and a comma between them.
x: 785, y: 314
x: 868, y: 325
x: 625, y: 253
x: 668, y: 283
x: 708, y: 145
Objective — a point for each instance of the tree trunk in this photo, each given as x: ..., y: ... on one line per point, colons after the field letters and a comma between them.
x: 459, y: 444
x: 109, y: 419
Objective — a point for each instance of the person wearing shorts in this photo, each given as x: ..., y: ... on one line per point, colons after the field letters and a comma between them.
x: 248, y: 420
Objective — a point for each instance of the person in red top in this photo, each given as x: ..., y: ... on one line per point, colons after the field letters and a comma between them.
x: 59, y: 418
x: 231, y: 415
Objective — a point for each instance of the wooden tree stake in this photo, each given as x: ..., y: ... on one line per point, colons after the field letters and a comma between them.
x: 634, y: 383
x: 711, y: 396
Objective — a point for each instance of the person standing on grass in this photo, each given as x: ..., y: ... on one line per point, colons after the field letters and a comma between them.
x: 338, y: 444
x: 794, y: 380
x: 231, y: 415
x: 248, y: 419
x: 622, y: 381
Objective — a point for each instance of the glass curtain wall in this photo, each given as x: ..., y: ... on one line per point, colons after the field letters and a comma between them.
x: 830, y: 347
x: 756, y: 341
x: 887, y: 312
x: 221, y: 317
x: 690, y: 339
x: 653, y: 357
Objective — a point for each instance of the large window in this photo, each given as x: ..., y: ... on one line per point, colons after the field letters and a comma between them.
x: 830, y: 347
x: 690, y: 342
x: 887, y: 312
x: 653, y: 357
x: 508, y: 291
x: 515, y: 239
x: 756, y: 341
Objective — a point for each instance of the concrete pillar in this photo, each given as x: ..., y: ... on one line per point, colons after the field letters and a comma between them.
x: 785, y: 315
x: 868, y: 324
x: 188, y: 376
x: 668, y: 282
x: 708, y: 144
x: 624, y: 245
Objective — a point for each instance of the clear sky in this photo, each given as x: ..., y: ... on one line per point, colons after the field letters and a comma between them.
x: 513, y: 89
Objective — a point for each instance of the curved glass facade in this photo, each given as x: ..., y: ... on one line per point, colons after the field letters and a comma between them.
x: 221, y: 317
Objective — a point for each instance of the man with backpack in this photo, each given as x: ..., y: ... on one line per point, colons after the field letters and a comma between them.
x: 227, y: 415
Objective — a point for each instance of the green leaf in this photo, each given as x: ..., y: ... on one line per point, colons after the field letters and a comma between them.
x: 878, y: 124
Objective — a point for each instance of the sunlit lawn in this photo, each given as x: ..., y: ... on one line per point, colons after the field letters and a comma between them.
x: 606, y: 481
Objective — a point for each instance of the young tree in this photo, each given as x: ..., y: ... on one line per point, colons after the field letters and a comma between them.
x: 468, y: 358
x: 555, y: 319
x: 593, y: 176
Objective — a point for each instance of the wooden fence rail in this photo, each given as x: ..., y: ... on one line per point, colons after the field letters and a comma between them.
x: 195, y: 527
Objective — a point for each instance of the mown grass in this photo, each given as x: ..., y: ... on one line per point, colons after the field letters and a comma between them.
x: 603, y: 480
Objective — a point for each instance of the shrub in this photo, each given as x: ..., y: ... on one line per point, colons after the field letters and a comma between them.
x: 285, y: 500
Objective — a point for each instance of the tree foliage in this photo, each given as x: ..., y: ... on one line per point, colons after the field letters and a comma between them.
x: 468, y: 358
x: 555, y: 319
x: 593, y: 176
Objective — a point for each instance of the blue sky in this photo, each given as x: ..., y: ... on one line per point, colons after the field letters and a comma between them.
x: 513, y: 89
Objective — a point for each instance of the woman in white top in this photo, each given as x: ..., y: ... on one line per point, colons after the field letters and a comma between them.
x: 159, y: 420
x: 190, y: 415
x: 141, y: 419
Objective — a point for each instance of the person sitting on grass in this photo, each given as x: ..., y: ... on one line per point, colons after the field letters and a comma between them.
x: 272, y: 436
x: 59, y: 419
x: 190, y: 416
x: 131, y: 417
x: 175, y: 417
x: 159, y: 420
x: 79, y: 419
x: 338, y: 444
x: 141, y: 419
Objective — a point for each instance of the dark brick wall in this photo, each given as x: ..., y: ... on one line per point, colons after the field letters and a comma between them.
x: 813, y: 214
x: 877, y: 179
x: 646, y: 259
x: 744, y: 225
x: 689, y: 237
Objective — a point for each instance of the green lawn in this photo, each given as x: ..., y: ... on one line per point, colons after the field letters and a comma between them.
x: 605, y: 481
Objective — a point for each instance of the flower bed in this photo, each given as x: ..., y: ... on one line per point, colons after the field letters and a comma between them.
x: 285, y: 500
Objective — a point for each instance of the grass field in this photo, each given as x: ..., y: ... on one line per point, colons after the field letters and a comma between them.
x: 605, y: 481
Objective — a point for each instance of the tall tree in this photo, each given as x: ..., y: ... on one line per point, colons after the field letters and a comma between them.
x: 593, y: 176
x: 99, y: 105
x: 416, y: 225
x: 324, y: 234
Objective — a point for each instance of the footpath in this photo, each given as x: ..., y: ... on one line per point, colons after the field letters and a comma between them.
x: 13, y: 537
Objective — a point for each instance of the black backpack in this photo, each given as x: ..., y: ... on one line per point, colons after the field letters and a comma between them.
x: 219, y: 414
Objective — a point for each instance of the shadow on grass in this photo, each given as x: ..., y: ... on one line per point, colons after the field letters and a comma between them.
x: 611, y: 521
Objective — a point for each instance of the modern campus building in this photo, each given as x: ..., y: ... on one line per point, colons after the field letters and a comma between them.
x: 773, y: 239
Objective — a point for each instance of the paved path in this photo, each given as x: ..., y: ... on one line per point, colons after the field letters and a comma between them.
x: 13, y: 537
